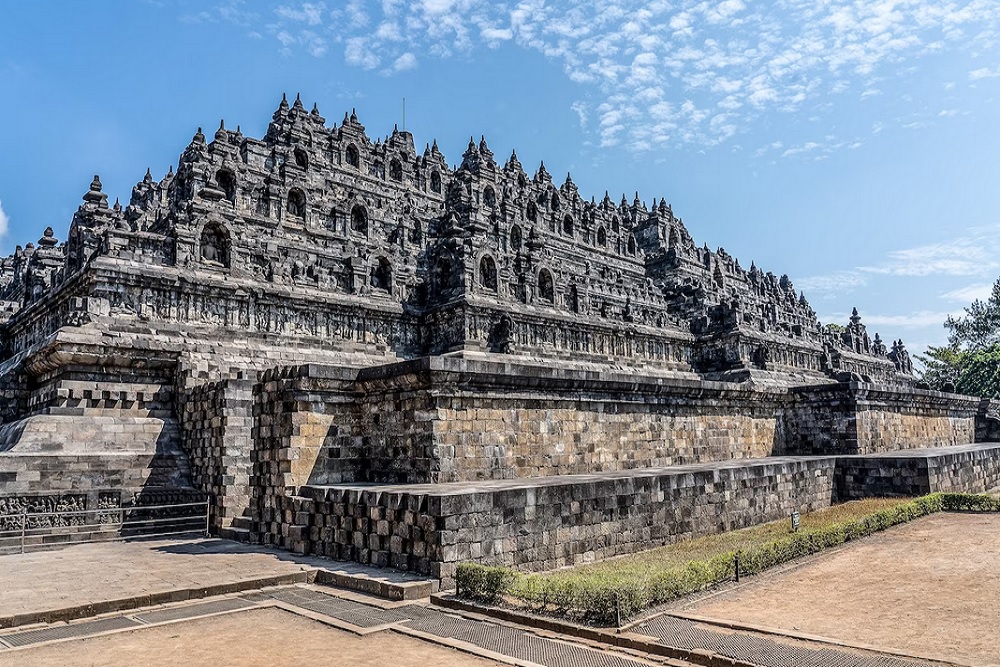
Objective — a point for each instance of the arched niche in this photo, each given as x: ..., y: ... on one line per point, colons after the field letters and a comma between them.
x: 353, y: 157
x: 488, y: 273
x: 296, y: 205
x: 546, y: 286
x: 214, y: 246
x: 381, y: 275
x: 359, y: 219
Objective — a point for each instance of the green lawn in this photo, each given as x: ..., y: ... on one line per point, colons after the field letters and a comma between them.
x: 614, y: 590
x: 645, y: 563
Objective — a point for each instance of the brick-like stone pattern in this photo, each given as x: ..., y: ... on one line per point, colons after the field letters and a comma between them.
x: 542, y: 524
x: 859, y: 418
x: 217, y: 419
x: 988, y: 421
x: 970, y: 469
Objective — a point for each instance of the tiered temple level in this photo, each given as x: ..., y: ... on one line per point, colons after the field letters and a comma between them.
x: 283, y: 319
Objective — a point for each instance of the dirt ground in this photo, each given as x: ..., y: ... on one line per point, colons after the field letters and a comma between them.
x: 930, y: 588
x: 255, y: 638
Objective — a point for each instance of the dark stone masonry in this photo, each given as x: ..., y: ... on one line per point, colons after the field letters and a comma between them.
x: 355, y: 349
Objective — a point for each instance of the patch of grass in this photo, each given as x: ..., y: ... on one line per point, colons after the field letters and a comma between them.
x: 611, y: 591
x: 709, y: 546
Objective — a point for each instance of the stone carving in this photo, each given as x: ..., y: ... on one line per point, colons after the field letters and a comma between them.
x: 901, y: 358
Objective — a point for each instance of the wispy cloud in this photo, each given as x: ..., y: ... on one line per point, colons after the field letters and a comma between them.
x: 971, y: 255
x: 975, y: 252
x: 918, y: 320
x: 663, y: 72
x: 830, y: 284
x: 970, y: 293
x: 4, y: 221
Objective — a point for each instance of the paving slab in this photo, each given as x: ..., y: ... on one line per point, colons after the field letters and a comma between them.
x: 927, y: 588
x: 88, y: 579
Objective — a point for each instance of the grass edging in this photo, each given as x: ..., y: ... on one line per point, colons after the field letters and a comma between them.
x: 609, y: 600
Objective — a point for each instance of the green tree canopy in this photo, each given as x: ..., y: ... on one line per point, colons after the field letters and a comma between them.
x: 970, y: 362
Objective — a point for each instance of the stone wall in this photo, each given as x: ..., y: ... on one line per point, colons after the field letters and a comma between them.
x: 968, y: 468
x: 543, y: 523
x: 445, y: 419
x: 216, y: 420
x: 988, y: 421
x: 859, y: 418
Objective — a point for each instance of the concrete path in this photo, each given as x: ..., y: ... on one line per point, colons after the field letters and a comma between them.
x: 87, y: 579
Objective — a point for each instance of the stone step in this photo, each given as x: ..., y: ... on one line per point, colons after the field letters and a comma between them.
x: 383, y: 583
x: 243, y: 523
x: 235, y: 534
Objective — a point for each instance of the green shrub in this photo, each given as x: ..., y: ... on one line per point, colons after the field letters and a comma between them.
x: 483, y: 583
x: 611, y: 595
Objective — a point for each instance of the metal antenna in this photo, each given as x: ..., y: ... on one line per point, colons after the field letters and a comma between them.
x: 404, y: 114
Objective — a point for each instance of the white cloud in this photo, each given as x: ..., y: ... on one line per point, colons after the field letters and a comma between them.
x: 358, y: 52
x: 976, y: 252
x: 970, y: 293
x: 917, y: 320
x: 733, y: 61
x: 307, y: 12
x: 831, y: 283
x: 4, y: 221
x: 971, y: 255
x: 405, y: 62
x: 984, y: 73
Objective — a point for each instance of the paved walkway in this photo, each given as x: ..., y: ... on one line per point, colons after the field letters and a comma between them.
x: 86, y: 579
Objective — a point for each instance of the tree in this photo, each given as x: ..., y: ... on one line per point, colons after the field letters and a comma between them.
x: 970, y: 362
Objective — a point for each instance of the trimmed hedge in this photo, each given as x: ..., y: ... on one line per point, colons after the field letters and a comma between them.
x: 610, y: 598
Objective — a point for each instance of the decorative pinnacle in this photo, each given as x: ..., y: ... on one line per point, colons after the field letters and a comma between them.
x: 284, y: 102
x: 298, y: 101
x: 148, y: 178
x: 95, y: 185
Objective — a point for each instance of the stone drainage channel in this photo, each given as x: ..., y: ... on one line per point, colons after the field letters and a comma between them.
x: 489, y: 639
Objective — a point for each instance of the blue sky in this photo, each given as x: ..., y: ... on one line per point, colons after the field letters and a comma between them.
x: 850, y: 144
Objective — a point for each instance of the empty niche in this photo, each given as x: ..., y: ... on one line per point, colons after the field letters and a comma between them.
x: 435, y: 182
x: 226, y: 181
x: 489, y: 197
x: 382, y: 275
x: 353, y: 157
x: 395, y: 170
x: 359, y: 219
x: 568, y: 225
x: 546, y: 288
x: 602, y: 237
x: 301, y: 159
x: 488, y: 273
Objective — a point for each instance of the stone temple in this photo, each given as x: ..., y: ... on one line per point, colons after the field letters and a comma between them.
x: 358, y: 351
